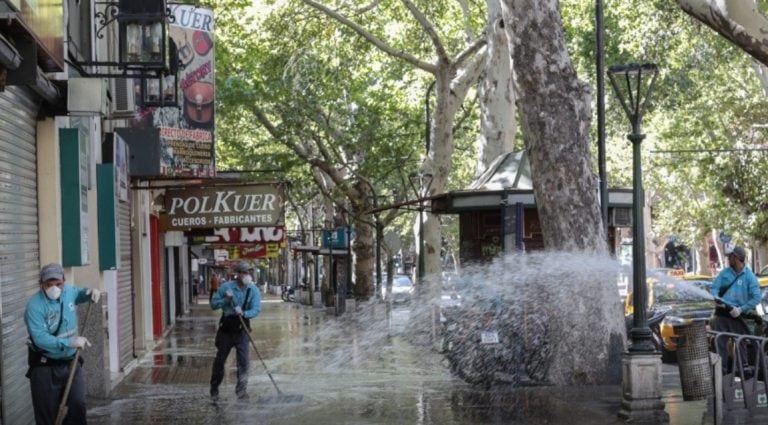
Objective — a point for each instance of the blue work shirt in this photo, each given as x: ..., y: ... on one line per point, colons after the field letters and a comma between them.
x: 42, y: 318
x: 219, y: 299
x: 745, y: 291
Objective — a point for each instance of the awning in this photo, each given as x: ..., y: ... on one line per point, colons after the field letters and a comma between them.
x: 318, y: 250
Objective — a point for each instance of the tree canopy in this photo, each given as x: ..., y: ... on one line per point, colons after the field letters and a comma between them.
x: 338, y: 103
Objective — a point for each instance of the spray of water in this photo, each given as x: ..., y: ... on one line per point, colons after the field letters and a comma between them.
x: 557, y: 315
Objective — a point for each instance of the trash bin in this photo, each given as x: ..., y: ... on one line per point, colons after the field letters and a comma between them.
x: 693, y: 361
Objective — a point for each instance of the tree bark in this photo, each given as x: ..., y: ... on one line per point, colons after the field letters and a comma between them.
x: 497, y: 94
x: 555, y: 113
x: 555, y: 117
x: 737, y: 20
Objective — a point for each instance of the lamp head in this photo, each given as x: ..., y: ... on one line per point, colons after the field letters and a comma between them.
x: 633, y: 85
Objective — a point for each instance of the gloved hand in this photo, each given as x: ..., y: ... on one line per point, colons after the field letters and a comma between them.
x: 95, y: 295
x: 735, y: 312
x: 79, y: 342
x: 239, y: 310
x: 229, y: 294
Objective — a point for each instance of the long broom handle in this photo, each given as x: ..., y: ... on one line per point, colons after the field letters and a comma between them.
x: 63, y: 408
x: 253, y: 344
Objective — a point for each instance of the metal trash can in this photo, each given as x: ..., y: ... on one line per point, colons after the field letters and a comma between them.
x: 693, y: 361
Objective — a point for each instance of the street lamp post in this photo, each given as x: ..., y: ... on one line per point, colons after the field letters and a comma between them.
x: 633, y: 85
x: 641, y: 364
x: 421, y: 184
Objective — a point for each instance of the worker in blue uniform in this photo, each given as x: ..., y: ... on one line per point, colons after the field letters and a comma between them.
x: 51, y: 319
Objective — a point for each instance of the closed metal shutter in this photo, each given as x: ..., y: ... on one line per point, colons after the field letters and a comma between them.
x: 19, y: 248
x: 125, y: 286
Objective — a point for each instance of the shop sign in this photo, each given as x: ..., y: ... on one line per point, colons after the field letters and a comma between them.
x: 249, y: 251
x: 223, y: 206
x: 235, y: 235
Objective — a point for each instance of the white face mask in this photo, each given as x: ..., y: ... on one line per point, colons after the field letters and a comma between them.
x: 247, y: 279
x: 54, y: 292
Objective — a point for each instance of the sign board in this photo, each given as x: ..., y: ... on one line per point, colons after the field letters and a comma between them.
x: 120, y: 159
x: 724, y: 238
x: 246, y: 242
x: 223, y: 206
x: 186, y: 144
x: 336, y: 238
x: 254, y: 250
x: 244, y: 235
x: 75, y: 167
x: 108, y: 217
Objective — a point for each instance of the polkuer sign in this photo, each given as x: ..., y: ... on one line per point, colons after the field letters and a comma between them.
x: 261, y: 205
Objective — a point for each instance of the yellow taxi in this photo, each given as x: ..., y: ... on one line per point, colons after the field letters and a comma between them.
x: 762, y: 279
x: 683, y: 298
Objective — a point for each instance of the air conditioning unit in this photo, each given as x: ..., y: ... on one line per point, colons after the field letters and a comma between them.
x: 621, y: 217
x: 123, y: 98
x: 87, y: 96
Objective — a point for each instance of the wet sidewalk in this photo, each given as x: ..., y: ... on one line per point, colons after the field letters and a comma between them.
x: 366, y: 368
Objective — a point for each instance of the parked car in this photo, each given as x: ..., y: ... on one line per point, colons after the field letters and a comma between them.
x: 762, y: 277
x: 402, y: 289
x: 682, y: 299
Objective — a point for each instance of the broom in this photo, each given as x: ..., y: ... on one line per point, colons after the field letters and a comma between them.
x: 63, y: 408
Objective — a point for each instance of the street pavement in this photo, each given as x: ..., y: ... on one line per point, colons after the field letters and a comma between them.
x: 366, y: 367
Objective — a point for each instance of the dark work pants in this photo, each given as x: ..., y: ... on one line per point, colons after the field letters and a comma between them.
x: 224, y: 344
x: 47, y: 384
x: 731, y: 325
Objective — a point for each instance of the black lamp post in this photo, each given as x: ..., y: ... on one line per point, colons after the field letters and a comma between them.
x: 421, y: 184
x: 633, y: 85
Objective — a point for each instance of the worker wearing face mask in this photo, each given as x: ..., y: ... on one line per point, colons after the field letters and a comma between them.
x: 51, y: 319
x: 240, y: 301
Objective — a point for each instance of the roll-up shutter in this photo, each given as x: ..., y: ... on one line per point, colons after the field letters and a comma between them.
x: 125, y: 286
x: 19, y: 248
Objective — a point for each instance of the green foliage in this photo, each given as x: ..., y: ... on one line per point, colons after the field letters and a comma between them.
x: 707, y: 97
x: 324, y: 87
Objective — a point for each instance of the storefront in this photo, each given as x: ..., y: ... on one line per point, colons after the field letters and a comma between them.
x: 19, y: 247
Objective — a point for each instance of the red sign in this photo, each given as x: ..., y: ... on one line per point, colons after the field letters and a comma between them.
x: 244, y: 235
x: 253, y: 250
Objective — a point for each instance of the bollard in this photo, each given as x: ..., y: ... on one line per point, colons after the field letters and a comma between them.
x: 693, y: 361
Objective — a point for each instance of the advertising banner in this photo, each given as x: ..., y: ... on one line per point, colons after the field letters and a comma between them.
x: 186, y: 131
x: 245, y: 242
x: 245, y: 235
x: 223, y: 206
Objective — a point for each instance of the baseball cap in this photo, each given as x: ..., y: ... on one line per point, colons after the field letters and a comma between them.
x: 51, y: 271
x: 738, y: 252
x: 241, y: 267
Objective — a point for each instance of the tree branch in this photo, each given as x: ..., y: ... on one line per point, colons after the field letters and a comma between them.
x: 367, y: 8
x: 442, y: 55
x: 470, y: 50
x: 465, y: 11
x: 381, y: 45
x: 469, y: 75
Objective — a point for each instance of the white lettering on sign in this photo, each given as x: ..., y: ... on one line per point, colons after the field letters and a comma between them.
x: 247, y: 235
x: 242, y: 220
x: 240, y: 206
x: 224, y: 203
x: 188, y: 221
